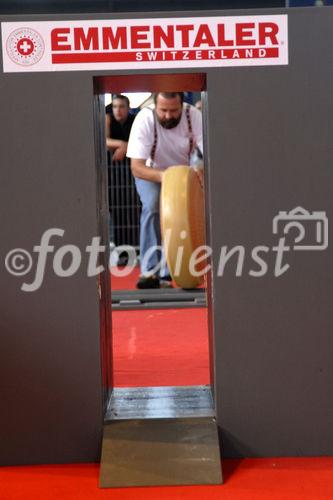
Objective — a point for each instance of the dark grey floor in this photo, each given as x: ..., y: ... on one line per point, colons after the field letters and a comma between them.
x: 160, y: 402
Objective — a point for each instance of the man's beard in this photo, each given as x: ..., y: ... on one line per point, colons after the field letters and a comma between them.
x: 170, y: 123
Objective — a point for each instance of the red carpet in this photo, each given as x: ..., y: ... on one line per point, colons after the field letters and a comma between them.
x: 255, y: 479
x: 127, y: 281
x: 124, y: 282
x: 160, y: 347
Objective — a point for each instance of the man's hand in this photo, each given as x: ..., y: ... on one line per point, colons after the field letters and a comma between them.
x: 140, y: 170
x: 200, y: 173
x: 120, y: 152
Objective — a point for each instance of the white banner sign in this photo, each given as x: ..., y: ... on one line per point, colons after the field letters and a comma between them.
x: 145, y: 43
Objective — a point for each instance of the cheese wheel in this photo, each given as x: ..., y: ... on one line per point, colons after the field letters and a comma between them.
x: 183, y: 224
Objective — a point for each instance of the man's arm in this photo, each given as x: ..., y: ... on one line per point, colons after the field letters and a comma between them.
x: 140, y: 171
x: 116, y: 146
x: 197, y: 128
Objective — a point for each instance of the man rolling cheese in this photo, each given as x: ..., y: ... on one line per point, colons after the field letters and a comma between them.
x: 166, y: 136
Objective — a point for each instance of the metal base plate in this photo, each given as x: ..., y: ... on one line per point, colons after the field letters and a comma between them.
x: 158, y: 299
x: 160, y: 452
x: 160, y: 402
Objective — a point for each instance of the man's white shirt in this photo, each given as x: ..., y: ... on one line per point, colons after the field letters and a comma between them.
x: 172, y: 144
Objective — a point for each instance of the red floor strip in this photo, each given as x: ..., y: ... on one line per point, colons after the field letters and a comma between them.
x: 250, y: 479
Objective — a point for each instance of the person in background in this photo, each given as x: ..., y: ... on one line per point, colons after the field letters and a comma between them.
x: 118, y: 124
x: 160, y: 138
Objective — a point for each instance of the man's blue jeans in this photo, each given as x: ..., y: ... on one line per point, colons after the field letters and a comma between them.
x: 150, y: 229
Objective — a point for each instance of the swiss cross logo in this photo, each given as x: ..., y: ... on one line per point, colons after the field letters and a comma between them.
x: 25, y: 46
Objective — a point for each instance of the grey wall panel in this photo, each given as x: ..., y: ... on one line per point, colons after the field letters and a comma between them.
x: 274, y: 341
x: 50, y: 360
